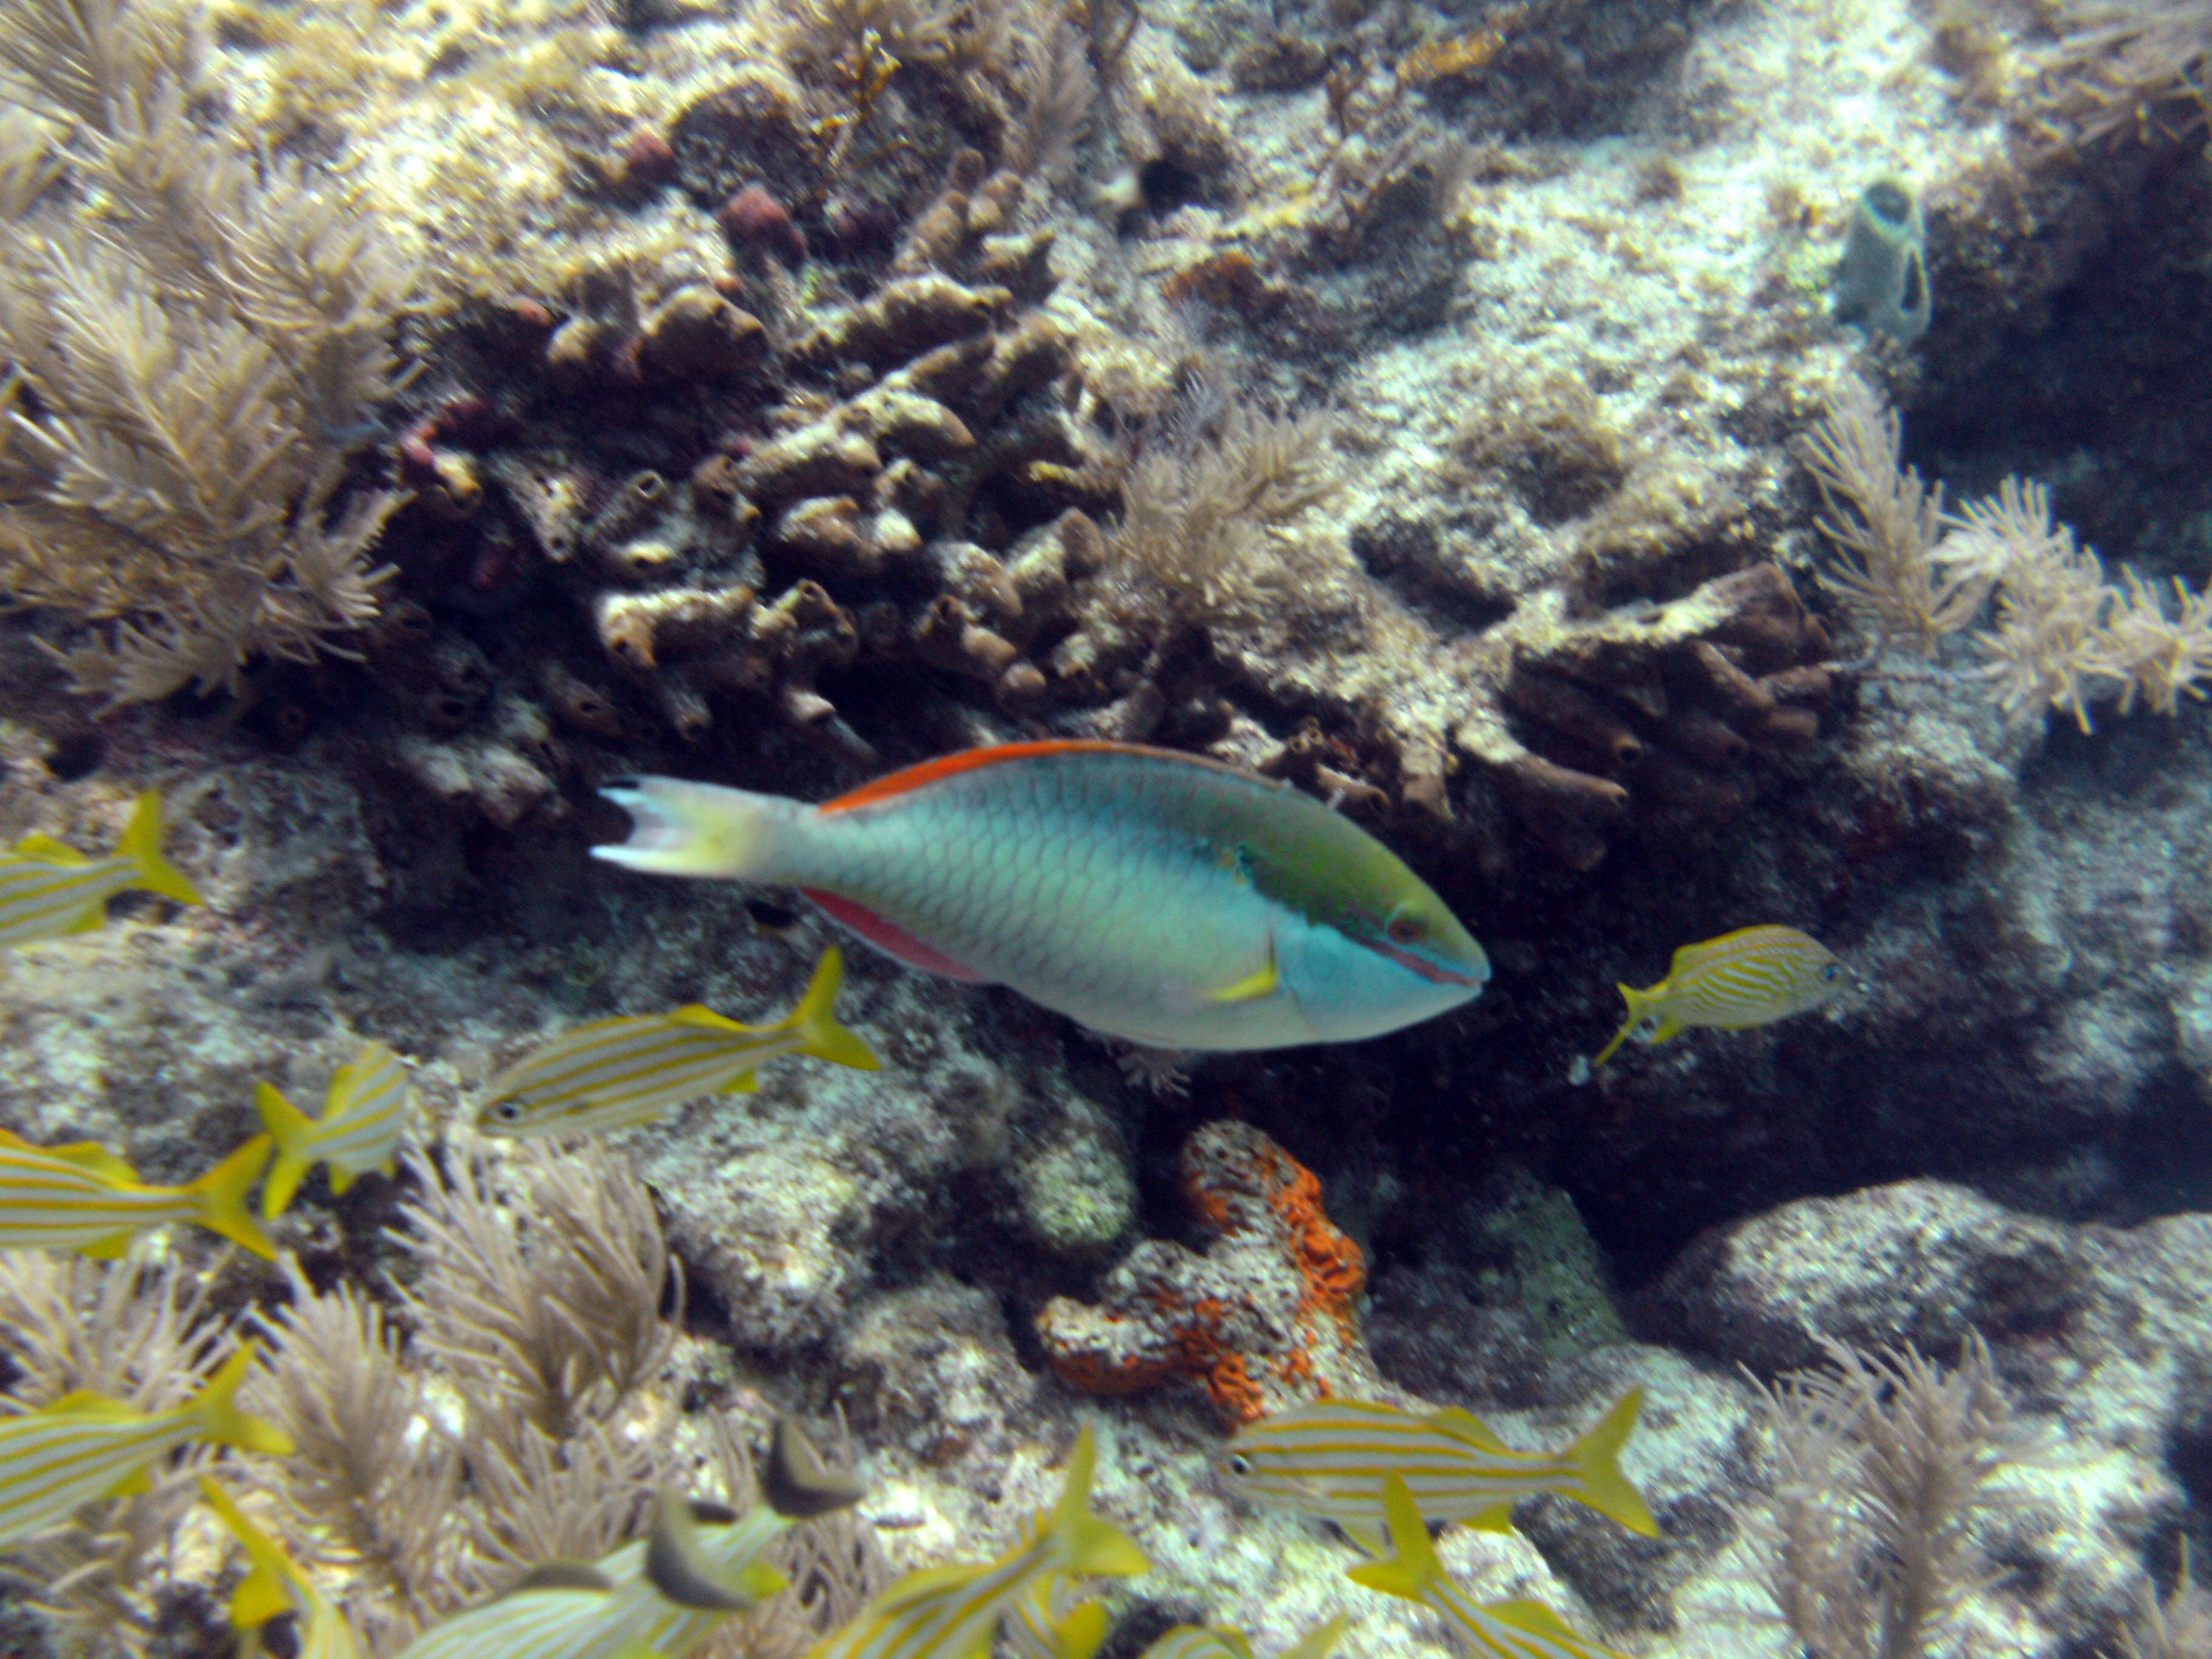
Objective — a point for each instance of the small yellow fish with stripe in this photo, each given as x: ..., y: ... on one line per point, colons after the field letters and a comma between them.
x: 953, y: 1612
x: 614, y: 1073
x: 86, y: 1446
x: 1328, y: 1459
x: 365, y: 1112
x: 1752, y: 976
x: 1495, y: 1630
x: 274, y: 1583
x: 1224, y: 1642
x: 82, y: 1197
x: 49, y: 888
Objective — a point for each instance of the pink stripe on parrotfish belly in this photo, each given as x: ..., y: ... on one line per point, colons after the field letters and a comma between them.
x: 890, y: 937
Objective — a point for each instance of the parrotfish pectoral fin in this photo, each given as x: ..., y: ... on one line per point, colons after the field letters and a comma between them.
x: 1596, y: 1458
x: 890, y: 938
x: 1262, y: 982
x: 683, y: 829
x: 142, y: 845
x: 1413, y: 1567
x: 815, y: 1019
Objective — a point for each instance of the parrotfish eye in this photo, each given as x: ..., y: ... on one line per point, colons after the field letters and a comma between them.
x: 1407, y: 930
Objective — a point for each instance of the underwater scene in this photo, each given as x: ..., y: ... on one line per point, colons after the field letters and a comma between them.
x: 1105, y: 828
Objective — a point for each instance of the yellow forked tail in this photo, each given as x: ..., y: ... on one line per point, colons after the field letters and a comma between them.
x: 142, y: 845
x: 266, y: 1589
x: 815, y: 1019
x: 222, y: 1194
x: 1636, y: 1000
x: 293, y: 1132
x: 221, y: 1420
x: 1596, y: 1459
x: 1413, y: 1567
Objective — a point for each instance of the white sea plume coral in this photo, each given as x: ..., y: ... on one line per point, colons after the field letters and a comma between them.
x: 191, y: 344
x: 2052, y: 600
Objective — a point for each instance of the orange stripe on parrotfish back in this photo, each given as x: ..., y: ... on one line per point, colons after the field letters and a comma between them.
x: 909, y: 779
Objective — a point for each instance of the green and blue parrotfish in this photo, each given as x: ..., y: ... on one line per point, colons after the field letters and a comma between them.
x: 86, y: 1446
x: 1752, y: 976
x: 48, y: 889
x: 1328, y: 1459
x: 1155, y: 896
x: 1492, y: 1629
x: 614, y: 1073
x: 82, y: 1197
x: 953, y: 1612
x: 365, y: 1113
x: 274, y: 1583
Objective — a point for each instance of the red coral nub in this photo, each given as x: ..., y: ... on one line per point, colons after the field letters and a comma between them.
x: 1265, y: 1318
x: 753, y: 218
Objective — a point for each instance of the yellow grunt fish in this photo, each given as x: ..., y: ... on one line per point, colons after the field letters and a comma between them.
x: 364, y: 1116
x: 952, y: 1613
x: 1498, y: 1629
x: 82, y: 1197
x: 613, y: 1073
x: 1156, y: 897
x: 86, y: 1446
x: 1329, y: 1458
x: 1752, y: 976
x: 48, y: 888
x: 274, y: 1584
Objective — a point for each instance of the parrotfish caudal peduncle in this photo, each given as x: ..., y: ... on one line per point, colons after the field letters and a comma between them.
x: 1153, y: 896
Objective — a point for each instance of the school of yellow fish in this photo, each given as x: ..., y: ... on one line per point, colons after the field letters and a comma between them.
x: 1381, y: 1474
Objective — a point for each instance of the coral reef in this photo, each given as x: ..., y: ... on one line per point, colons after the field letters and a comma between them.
x: 1264, y: 1317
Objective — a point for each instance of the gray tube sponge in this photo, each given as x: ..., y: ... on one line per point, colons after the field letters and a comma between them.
x: 1881, y: 283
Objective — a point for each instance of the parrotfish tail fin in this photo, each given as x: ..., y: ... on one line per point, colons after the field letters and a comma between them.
x: 1596, y: 1459
x: 1319, y: 1642
x: 142, y: 845
x: 1413, y: 1567
x: 682, y: 828
x: 217, y: 1406
x: 815, y: 1019
x: 1635, y: 1000
x: 1084, y: 1544
x: 293, y: 1132
x: 266, y: 1590
x: 221, y: 1194
x: 1535, y: 1619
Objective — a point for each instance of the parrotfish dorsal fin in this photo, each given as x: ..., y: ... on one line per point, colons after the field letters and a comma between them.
x: 911, y: 778
x: 797, y: 1483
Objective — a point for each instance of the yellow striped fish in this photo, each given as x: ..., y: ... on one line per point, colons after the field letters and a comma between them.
x: 82, y: 1197
x: 365, y: 1111
x: 86, y: 1446
x: 1752, y: 976
x: 274, y: 1583
x: 48, y: 888
x: 1046, y: 1621
x: 621, y: 1603
x: 613, y: 1073
x: 1222, y: 1642
x: 1329, y: 1458
x: 951, y: 1613
x: 1500, y: 1630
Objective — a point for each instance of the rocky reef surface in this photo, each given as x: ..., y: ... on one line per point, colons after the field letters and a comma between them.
x: 1407, y: 402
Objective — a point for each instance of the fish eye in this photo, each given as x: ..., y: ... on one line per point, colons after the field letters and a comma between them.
x: 1832, y: 970
x: 1406, y: 929
x: 507, y: 1111
x: 1239, y: 1464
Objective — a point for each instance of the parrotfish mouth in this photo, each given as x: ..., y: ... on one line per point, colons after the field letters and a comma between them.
x: 1428, y: 968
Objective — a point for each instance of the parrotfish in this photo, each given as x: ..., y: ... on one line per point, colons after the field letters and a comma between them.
x: 1329, y: 1458
x: 82, y: 1197
x: 48, y: 888
x: 952, y: 1613
x: 1752, y: 976
x: 365, y: 1113
x: 613, y: 1073
x: 274, y: 1584
x: 1495, y: 1630
x: 1160, y: 898
x: 86, y: 1446
x: 1224, y: 1642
